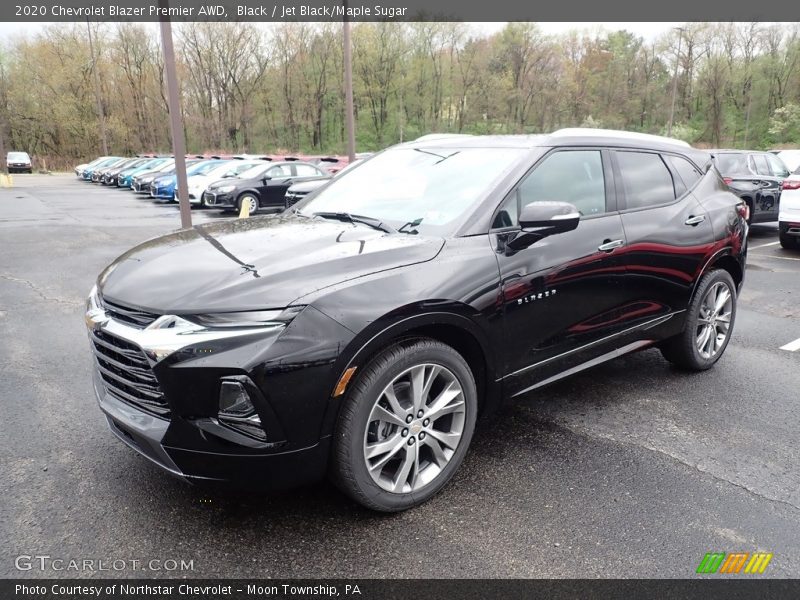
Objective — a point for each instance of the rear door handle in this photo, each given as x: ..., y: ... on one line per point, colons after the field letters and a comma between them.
x: 610, y: 245
x: 694, y: 221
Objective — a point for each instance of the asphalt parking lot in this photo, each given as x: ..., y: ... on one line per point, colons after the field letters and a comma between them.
x: 632, y: 469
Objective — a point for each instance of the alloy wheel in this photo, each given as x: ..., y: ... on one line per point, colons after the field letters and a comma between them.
x: 414, y: 428
x: 714, y: 320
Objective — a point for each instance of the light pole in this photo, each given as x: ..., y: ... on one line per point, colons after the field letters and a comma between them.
x: 675, y: 80
x: 348, y: 87
x: 175, y: 121
x: 97, y: 97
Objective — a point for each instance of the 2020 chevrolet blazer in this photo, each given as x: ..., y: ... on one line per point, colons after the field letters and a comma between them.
x: 360, y: 333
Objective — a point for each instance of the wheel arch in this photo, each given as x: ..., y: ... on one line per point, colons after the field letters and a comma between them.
x: 453, y: 329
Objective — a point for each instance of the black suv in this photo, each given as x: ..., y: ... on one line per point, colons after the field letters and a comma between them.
x: 360, y: 333
x: 756, y: 177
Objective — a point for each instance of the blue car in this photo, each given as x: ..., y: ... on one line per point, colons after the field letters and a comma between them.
x: 86, y: 175
x: 125, y: 179
x: 163, y: 188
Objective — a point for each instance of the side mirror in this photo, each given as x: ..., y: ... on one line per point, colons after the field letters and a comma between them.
x: 542, y: 219
x: 265, y: 178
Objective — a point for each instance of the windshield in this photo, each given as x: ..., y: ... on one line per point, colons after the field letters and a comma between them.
x: 732, y: 164
x: 254, y: 172
x: 17, y: 156
x: 203, y: 167
x: 429, y: 187
x: 233, y: 168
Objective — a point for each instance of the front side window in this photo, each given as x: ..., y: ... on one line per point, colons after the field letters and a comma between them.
x: 573, y: 176
x: 280, y: 172
x: 307, y: 171
x: 646, y: 179
x: 432, y: 187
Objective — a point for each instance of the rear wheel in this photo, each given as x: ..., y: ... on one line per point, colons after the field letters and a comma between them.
x: 405, y: 426
x: 709, y: 324
x: 789, y: 242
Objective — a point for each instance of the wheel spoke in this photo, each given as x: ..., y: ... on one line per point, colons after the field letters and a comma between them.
x: 702, y: 339
x: 417, y: 387
x: 445, y: 397
x: 378, y: 465
x: 722, y: 299
x: 379, y: 413
x: 408, y: 463
x: 448, y: 439
x: 391, y: 398
x: 437, y: 450
x: 393, y: 443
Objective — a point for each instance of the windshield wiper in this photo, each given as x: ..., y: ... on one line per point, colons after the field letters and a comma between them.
x: 368, y: 221
x: 440, y: 156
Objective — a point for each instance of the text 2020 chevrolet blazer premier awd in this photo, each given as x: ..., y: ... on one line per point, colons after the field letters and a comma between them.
x: 360, y: 333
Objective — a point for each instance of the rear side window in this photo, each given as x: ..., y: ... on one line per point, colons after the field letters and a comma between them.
x: 732, y: 164
x: 760, y: 162
x: 687, y: 172
x: 776, y: 164
x: 646, y: 179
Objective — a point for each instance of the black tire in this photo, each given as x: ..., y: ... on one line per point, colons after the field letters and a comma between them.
x: 682, y: 350
x: 349, y: 470
x: 247, y: 197
x: 788, y: 242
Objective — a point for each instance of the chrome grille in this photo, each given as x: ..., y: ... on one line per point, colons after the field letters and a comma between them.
x: 129, y: 316
x: 126, y: 373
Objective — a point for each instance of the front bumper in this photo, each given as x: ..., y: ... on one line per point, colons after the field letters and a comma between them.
x: 148, y: 435
x: 289, y: 374
x: 218, y: 200
x: 18, y: 168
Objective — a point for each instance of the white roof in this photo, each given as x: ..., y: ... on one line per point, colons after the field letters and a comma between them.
x: 588, y: 132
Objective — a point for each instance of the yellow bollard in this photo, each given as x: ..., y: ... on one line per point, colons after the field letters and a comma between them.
x: 5, y: 180
x: 244, y: 212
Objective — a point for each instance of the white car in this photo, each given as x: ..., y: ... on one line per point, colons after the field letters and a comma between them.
x: 199, y: 183
x: 791, y: 158
x: 789, y: 212
x: 19, y: 162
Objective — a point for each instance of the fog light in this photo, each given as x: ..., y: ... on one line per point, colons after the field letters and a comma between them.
x: 237, y: 411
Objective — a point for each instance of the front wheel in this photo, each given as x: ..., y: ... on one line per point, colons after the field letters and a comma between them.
x: 250, y: 200
x: 405, y: 426
x: 709, y: 324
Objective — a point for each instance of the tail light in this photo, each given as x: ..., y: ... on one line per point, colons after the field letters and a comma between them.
x: 727, y: 180
x: 791, y: 184
x: 744, y: 210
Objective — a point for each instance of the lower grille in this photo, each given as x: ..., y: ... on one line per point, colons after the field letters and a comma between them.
x: 126, y: 373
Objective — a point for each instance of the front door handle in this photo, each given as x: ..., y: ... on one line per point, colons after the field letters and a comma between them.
x: 610, y: 245
x: 695, y: 220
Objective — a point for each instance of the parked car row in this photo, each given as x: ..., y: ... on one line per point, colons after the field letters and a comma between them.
x: 769, y: 182
x: 226, y: 182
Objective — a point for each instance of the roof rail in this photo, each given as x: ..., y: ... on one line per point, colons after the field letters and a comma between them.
x: 631, y: 135
x: 440, y: 136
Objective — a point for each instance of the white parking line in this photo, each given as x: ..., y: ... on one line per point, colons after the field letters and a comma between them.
x: 764, y: 245
x: 773, y: 256
x: 792, y: 346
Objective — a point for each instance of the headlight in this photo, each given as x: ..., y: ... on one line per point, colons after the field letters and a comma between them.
x: 224, y: 189
x: 249, y: 319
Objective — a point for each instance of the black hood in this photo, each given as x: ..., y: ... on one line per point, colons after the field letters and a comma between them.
x: 252, y: 264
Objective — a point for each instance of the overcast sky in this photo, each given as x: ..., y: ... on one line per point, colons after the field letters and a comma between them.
x: 649, y: 31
